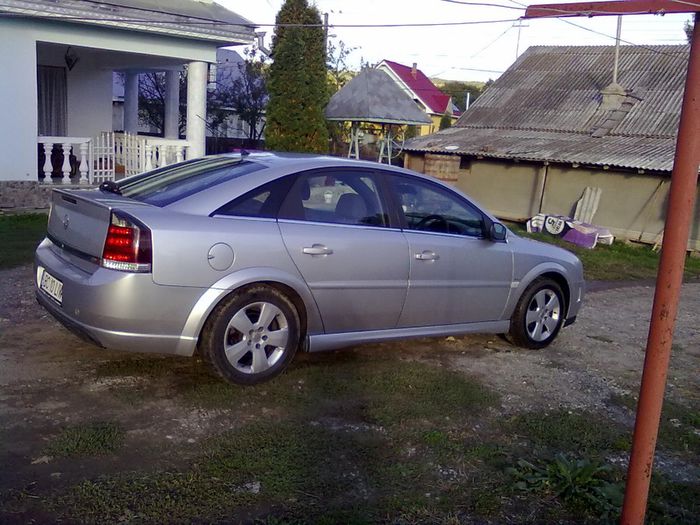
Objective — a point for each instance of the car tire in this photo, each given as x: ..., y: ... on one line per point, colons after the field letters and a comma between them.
x: 539, y: 315
x: 252, y: 336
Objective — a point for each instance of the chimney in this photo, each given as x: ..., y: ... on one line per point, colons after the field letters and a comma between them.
x: 414, y: 70
x: 613, y: 96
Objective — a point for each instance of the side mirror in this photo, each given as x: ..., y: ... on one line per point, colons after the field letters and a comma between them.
x: 498, y: 232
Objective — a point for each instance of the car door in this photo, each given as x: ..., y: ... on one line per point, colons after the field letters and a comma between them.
x: 336, y: 229
x: 456, y: 274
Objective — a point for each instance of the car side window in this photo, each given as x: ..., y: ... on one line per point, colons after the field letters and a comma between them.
x: 262, y: 202
x: 429, y: 207
x: 337, y: 197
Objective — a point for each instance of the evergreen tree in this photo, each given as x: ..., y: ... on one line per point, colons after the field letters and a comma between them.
x: 445, y: 122
x: 297, y: 83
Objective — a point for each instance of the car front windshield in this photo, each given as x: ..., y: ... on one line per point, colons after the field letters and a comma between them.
x: 170, y: 184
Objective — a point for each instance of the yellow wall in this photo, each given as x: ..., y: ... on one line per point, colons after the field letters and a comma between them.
x: 434, y: 126
x: 632, y: 205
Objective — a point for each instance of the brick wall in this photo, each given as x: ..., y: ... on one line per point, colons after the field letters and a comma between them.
x: 443, y: 167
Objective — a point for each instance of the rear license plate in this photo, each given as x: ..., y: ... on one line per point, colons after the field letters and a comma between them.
x: 49, y: 284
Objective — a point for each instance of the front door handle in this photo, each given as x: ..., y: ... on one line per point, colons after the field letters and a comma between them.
x: 317, y: 249
x: 427, y: 255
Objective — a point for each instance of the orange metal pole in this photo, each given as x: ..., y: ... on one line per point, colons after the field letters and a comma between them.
x: 668, y: 285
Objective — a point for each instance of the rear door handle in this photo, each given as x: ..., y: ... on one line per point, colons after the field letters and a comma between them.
x: 317, y: 249
x: 427, y: 255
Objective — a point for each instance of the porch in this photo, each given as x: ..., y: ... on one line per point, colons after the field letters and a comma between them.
x: 108, y: 156
x: 77, y: 141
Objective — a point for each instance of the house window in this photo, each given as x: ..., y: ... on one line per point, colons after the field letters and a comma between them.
x: 52, y: 100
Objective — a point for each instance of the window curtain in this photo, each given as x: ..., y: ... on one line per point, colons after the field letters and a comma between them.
x: 52, y: 99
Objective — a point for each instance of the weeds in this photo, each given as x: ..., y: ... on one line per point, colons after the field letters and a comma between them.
x: 580, y: 483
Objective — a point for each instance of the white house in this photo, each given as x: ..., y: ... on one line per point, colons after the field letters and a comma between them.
x: 228, y: 69
x: 58, y: 58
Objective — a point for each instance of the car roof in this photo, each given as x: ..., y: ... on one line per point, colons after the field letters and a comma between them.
x: 278, y: 164
x: 273, y: 159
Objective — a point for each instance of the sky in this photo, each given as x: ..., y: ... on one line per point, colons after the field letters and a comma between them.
x: 464, y: 52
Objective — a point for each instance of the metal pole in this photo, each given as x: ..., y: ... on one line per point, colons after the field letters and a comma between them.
x: 668, y: 285
x: 616, y: 63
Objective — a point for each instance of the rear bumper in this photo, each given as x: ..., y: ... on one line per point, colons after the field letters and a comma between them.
x: 118, y: 310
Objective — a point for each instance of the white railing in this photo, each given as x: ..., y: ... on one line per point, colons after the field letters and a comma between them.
x: 102, y: 165
x: 109, y: 154
x: 138, y: 153
x: 67, y: 145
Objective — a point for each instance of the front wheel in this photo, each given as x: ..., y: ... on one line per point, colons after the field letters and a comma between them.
x: 252, y: 336
x: 539, y: 315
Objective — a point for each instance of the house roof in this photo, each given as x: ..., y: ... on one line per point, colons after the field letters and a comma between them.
x: 548, y: 106
x: 421, y: 86
x: 372, y: 96
x: 194, y: 19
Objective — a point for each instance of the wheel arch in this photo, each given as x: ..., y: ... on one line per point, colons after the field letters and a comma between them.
x: 295, y: 289
x: 551, y: 271
x: 563, y: 284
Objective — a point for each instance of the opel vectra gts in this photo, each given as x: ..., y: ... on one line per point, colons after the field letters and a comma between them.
x: 249, y: 258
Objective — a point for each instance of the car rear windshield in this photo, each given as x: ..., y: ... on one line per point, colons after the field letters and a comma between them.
x: 173, y: 183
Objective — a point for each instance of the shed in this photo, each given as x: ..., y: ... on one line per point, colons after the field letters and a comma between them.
x: 554, y: 124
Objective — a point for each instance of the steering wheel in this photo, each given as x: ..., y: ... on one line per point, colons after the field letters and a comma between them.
x: 430, y: 219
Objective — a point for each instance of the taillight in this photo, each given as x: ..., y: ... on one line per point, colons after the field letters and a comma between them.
x: 127, y: 246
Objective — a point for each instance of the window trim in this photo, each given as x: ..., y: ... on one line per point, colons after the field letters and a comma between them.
x: 378, y: 183
x: 280, y: 182
x: 402, y: 218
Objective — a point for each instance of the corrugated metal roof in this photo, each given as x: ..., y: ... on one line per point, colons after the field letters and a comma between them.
x: 547, y: 105
x: 372, y: 96
x: 648, y: 153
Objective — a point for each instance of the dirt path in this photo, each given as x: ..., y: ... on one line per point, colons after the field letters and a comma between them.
x: 48, y: 379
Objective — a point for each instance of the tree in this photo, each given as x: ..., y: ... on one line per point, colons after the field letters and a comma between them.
x: 445, y: 122
x: 688, y: 28
x: 152, y: 103
x: 458, y: 91
x: 297, y: 83
x: 152, y: 100
x: 246, y: 95
x: 339, y: 73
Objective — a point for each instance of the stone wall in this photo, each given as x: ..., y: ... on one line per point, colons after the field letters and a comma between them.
x: 28, y: 194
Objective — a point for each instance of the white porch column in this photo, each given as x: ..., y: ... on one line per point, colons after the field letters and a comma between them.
x: 196, y: 108
x: 172, y: 105
x: 131, y: 102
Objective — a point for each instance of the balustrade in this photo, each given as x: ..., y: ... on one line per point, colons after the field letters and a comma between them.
x: 67, y: 145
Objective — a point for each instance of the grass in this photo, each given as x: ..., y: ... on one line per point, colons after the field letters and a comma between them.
x: 680, y: 426
x: 376, y: 391
x: 19, y: 237
x: 571, y: 432
x: 342, y: 438
x: 87, y: 439
x: 350, y: 441
x: 619, y: 262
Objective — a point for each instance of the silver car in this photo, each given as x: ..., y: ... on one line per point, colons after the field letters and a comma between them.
x: 250, y: 258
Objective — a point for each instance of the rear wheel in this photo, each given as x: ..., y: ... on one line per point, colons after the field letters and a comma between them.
x: 539, y: 315
x: 252, y: 336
